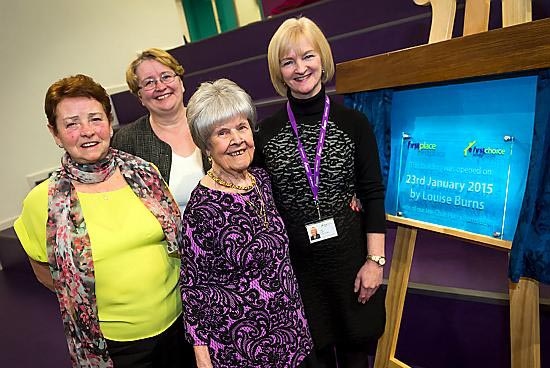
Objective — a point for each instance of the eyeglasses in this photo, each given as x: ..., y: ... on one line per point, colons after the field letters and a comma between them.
x: 150, y: 83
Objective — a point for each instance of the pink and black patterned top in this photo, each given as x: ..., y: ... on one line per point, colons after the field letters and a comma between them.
x: 240, y: 295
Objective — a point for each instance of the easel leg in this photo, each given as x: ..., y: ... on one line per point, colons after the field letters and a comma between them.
x: 525, y: 324
x: 395, y: 298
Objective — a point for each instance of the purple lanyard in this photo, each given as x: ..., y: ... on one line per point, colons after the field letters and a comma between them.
x: 312, y: 176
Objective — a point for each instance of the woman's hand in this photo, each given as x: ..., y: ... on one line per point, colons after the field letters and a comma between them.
x: 202, y: 356
x: 367, y: 281
x: 355, y: 204
x: 42, y: 273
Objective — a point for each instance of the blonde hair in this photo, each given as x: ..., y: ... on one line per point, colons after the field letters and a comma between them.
x: 212, y: 104
x: 150, y: 54
x: 287, y: 37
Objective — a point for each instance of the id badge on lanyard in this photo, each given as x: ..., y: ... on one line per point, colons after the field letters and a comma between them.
x: 323, y: 228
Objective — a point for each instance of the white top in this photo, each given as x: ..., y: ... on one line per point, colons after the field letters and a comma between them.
x: 185, y: 174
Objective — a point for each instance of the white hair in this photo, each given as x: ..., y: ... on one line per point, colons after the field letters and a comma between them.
x: 214, y: 103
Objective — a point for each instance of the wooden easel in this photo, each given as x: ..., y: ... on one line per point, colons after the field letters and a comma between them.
x: 516, y: 48
x: 476, y: 16
x: 403, y: 252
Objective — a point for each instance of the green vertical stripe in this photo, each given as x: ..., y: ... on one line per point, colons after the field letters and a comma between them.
x: 226, y: 15
x: 200, y: 19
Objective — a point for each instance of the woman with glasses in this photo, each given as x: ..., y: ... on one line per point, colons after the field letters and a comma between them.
x: 162, y: 136
x: 102, y: 233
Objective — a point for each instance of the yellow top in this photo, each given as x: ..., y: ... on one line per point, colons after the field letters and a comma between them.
x: 136, y: 280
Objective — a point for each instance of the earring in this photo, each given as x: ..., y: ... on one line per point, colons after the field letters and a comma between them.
x: 60, y: 145
x: 209, y: 159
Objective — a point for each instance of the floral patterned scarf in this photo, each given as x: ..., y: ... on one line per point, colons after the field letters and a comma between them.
x: 69, y: 249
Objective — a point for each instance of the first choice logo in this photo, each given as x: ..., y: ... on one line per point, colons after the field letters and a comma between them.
x: 481, y: 151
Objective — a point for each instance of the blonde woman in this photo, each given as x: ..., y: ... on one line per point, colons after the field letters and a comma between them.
x: 319, y: 154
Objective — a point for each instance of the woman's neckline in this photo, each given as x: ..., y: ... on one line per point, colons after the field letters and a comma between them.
x: 248, y: 192
x: 113, y: 183
x: 124, y: 188
x: 307, y: 106
x: 177, y: 119
x: 193, y: 154
x: 222, y: 189
x: 177, y: 135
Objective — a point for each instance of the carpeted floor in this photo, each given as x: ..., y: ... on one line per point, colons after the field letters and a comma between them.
x: 31, y: 329
x: 437, y: 330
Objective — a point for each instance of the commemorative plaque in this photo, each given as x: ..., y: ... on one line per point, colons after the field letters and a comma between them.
x: 460, y: 154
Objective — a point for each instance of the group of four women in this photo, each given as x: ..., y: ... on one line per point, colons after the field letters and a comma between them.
x: 166, y: 248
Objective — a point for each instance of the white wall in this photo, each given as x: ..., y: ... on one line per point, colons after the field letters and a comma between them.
x: 43, y: 41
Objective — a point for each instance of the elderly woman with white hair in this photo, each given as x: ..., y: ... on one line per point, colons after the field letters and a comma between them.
x: 241, y: 301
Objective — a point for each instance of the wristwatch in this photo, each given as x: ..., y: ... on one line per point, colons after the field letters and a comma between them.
x: 379, y: 260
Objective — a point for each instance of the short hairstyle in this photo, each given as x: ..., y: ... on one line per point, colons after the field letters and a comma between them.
x: 212, y: 104
x: 150, y: 54
x: 75, y: 86
x: 286, y: 38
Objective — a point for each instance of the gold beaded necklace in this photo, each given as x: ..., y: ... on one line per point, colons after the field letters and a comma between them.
x: 259, y: 210
x: 227, y: 184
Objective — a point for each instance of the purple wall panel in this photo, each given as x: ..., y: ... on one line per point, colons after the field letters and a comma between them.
x: 447, y: 262
x: 380, y: 41
x: 454, y: 333
x: 340, y: 17
x: 441, y: 331
x: 252, y: 76
x: 242, y: 43
x: 127, y: 107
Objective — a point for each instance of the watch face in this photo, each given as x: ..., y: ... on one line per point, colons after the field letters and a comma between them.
x: 379, y: 260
